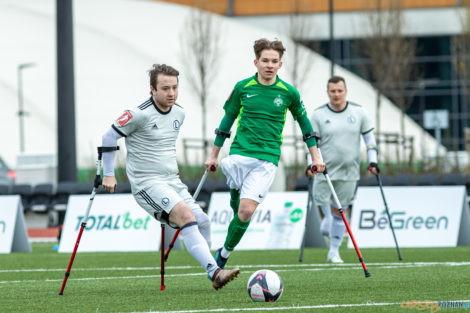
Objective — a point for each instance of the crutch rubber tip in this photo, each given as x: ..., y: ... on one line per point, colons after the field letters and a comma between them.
x: 162, y: 287
x: 61, y: 293
x: 367, y: 273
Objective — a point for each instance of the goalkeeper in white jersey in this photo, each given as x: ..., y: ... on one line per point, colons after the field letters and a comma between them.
x: 151, y: 130
x: 340, y: 124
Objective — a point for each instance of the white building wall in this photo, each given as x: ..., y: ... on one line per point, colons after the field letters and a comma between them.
x: 116, y: 41
x: 419, y: 22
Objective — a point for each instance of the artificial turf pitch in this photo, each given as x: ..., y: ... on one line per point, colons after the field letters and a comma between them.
x: 130, y: 282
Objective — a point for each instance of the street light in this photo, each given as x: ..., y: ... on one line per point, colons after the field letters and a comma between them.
x: 21, y: 112
x: 332, y: 44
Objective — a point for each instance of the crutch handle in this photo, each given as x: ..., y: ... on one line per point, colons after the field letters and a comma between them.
x: 314, y: 169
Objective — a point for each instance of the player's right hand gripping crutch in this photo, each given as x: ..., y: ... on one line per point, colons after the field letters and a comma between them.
x: 340, y: 209
x: 196, y: 193
x: 96, y: 185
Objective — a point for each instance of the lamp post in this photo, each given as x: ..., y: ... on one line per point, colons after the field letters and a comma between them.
x: 332, y: 44
x: 21, y: 112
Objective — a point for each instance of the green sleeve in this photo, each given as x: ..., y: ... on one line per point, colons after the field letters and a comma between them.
x: 296, y: 107
x: 233, y: 104
x: 225, y: 125
x: 306, y: 128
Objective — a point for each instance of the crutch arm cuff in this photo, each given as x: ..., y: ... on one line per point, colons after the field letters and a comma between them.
x: 107, y: 149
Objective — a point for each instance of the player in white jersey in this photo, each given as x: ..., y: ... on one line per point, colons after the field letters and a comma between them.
x: 151, y: 130
x: 340, y: 124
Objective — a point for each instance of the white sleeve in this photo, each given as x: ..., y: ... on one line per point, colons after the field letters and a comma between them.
x: 315, y: 128
x: 109, y: 139
x: 309, y: 158
x: 371, y: 145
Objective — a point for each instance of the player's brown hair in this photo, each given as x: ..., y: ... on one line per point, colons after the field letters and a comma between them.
x: 265, y: 44
x: 335, y: 80
x: 161, y: 69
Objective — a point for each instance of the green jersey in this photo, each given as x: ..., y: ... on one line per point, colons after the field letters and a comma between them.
x: 261, y: 112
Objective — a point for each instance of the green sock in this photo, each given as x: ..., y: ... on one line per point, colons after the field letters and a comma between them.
x: 236, y: 230
x: 234, y: 200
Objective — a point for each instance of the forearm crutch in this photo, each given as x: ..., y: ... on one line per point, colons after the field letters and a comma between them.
x: 162, y: 261
x: 309, y: 207
x: 196, y: 193
x: 340, y: 209
x: 96, y: 185
x: 379, y: 181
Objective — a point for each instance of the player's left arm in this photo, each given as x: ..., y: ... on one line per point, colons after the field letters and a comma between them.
x: 371, y: 145
x: 300, y: 115
x: 232, y: 108
x: 367, y: 131
x: 308, y: 136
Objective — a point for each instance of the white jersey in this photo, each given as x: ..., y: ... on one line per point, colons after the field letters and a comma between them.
x: 340, y: 139
x: 151, y: 142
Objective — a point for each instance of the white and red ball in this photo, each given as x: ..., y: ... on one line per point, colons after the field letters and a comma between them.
x: 265, y: 286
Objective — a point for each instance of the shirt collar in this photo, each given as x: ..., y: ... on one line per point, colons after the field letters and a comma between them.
x: 158, y: 109
x: 329, y: 107
x: 256, y: 78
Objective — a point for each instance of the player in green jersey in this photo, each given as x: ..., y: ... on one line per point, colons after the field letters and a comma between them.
x: 260, y: 103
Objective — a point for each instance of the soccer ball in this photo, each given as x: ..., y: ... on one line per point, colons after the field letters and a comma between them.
x: 265, y: 286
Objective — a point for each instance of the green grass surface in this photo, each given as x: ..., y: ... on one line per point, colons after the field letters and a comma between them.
x: 130, y: 282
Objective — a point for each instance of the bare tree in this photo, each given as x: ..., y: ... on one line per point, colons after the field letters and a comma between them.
x: 391, y: 56
x: 461, y: 48
x: 461, y: 58
x: 200, y: 57
x: 299, y: 58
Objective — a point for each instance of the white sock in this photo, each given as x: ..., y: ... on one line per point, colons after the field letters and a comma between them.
x: 203, y: 224
x: 336, y: 234
x: 225, y: 253
x: 326, y: 221
x: 197, y: 247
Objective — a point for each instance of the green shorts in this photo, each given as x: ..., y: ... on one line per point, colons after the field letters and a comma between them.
x: 345, y: 190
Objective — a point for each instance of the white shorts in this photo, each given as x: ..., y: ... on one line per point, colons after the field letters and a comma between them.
x: 159, y: 198
x: 345, y: 190
x: 251, y: 176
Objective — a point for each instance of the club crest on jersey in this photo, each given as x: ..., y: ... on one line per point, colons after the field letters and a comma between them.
x: 165, y: 201
x: 123, y: 119
x: 351, y: 119
x: 278, y: 101
x: 176, y: 124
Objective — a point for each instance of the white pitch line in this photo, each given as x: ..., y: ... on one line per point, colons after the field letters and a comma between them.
x: 304, y: 307
x: 149, y: 268
x: 102, y: 278
x: 337, y: 268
